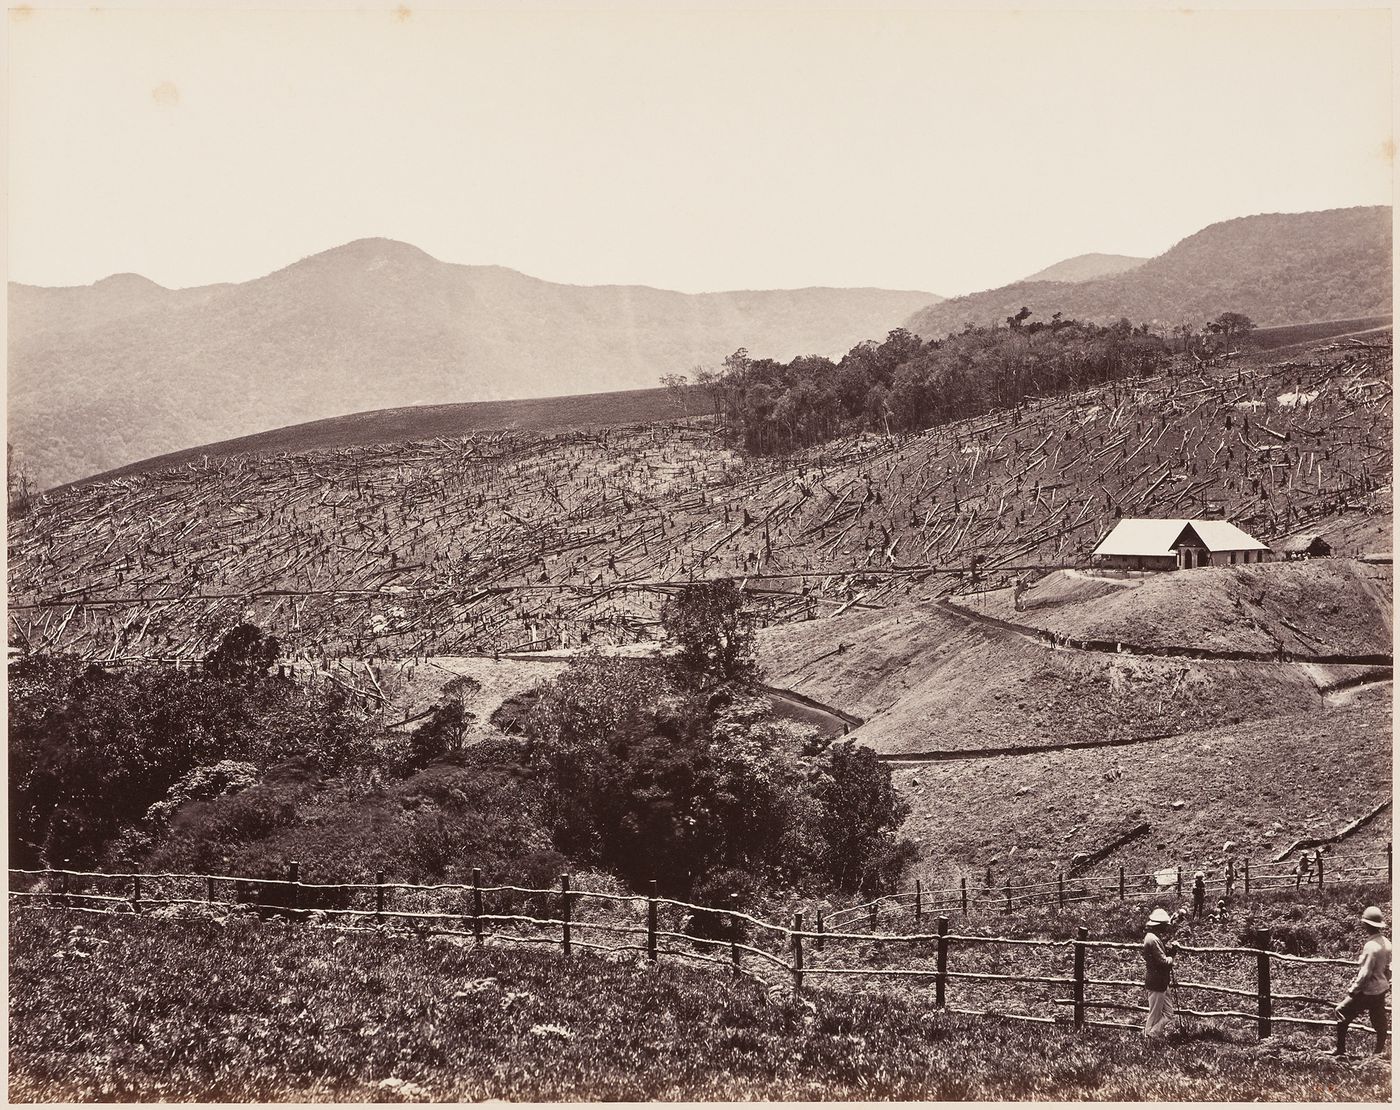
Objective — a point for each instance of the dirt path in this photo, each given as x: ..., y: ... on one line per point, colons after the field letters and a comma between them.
x: 1021, y: 749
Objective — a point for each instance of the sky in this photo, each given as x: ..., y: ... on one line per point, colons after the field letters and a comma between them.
x: 699, y: 150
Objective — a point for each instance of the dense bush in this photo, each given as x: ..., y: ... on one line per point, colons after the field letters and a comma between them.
x: 91, y: 751
x: 664, y: 770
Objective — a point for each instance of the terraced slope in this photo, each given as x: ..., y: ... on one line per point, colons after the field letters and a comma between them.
x: 510, y: 541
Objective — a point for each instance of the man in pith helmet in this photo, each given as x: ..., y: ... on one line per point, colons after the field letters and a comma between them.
x: 1367, y: 991
x: 1157, y: 954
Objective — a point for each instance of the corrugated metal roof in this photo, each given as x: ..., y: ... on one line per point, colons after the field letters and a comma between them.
x: 1156, y: 536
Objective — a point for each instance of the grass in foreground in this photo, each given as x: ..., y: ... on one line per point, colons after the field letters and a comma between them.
x: 121, y: 1008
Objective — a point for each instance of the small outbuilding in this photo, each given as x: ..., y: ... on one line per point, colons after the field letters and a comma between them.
x: 1309, y: 545
x: 1141, y: 543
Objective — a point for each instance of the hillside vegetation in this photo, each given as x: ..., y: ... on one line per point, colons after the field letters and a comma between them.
x: 108, y: 374
x: 1277, y: 269
x: 1087, y: 267
x: 124, y: 1009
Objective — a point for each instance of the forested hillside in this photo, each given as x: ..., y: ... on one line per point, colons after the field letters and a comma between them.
x: 1276, y: 269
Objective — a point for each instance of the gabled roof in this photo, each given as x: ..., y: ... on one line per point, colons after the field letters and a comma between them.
x: 1152, y: 536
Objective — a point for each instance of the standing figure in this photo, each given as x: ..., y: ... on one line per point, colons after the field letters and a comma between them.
x: 1368, y: 990
x: 1157, y: 954
x: 1198, y: 895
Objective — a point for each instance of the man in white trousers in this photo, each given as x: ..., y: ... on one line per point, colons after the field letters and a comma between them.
x: 1157, y: 954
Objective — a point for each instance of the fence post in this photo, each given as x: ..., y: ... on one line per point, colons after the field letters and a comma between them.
x: 1082, y: 934
x: 964, y: 895
x: 1062, y: 888
x: 379, y: 897
x: 1178, y: 879
x: 797, y: 952
x: 294, y: 883
x: 918, y: 900
x: 1264, y: 938
x: 1008, y: 895
x: 874, y: 916
x: 733, y: 947
x: 651, y: 922
x: 1389, y: 868
x: 1246, y: 875
x: 821, y: 930
x: 63, y: 883
x: 209, y: 888
x: 1318, y: 856
x: 476, y: 905
x: 940, y: 980
x: 1122, y: 883
x: 136, y: 894
x: 564, y: 912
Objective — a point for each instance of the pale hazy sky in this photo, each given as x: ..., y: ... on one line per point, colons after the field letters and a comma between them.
x: 698, y: 150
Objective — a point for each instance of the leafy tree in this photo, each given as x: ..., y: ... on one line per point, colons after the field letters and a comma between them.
x: 678, y: 391
x: 714, y: 632
x: 446, y: 730
x: 1228, y: 324
x: 243, y: 655
x: 19, y: 484
x: 860, y: 811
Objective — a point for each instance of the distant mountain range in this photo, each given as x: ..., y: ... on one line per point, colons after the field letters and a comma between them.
x: 117, y: 371
x: 1087, y: 267
x: 1276, y: 269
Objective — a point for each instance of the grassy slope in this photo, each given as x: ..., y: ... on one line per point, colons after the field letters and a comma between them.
x: 132, y: 1009
x: 927, y: 680
x: 1325, y: 606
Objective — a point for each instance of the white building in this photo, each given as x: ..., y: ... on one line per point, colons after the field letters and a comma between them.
x: 1174, y: 544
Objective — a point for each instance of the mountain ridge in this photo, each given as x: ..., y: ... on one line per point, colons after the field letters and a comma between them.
x: 123, y: 369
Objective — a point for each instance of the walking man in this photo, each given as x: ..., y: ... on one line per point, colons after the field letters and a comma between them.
x: 1367, y: 991
x: 1157, y: 954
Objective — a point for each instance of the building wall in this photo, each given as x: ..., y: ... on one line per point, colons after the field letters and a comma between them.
x: 1138, y: 562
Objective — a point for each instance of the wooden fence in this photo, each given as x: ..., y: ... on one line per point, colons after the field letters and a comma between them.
x: 1235, y: 876
x: 987, y: 970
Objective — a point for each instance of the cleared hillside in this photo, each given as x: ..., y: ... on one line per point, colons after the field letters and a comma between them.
x: 1258, y: 785
x: 928, y: 680
x: 1279, y: 268
x: 514, y: 540
x: 387, y: 426
x: 104, y: 375
x: 1320, y: 607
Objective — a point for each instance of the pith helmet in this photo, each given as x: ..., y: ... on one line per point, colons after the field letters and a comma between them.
x: 1373, y: 916
x: 1160, y: 916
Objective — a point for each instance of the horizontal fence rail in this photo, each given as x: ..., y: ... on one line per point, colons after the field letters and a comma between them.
x: 1235, y: 876
x: 650, y: 926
